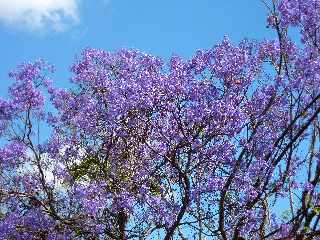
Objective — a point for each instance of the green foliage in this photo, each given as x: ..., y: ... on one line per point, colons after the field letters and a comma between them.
x: 155, y: 188
x: 317, y: 210
x: 306, y: 229
x: 88, y: 167
x: 91, y: 168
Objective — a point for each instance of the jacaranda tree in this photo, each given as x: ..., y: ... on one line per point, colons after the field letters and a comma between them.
x: 225, y: 145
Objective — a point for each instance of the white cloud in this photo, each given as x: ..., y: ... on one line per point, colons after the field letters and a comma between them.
x: 37, y: 15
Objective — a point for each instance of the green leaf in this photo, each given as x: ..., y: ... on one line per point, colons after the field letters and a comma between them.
x: 316, y: 210
x: 89, y: 167
x: 306, y: 229
x: 155, y: 188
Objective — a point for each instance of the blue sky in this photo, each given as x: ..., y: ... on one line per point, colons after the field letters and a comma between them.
x: 58, y: 30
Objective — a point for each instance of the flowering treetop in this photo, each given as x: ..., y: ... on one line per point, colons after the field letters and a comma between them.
x: 205, y: 147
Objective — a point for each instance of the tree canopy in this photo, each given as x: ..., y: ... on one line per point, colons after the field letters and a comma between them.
x: 224, y: 145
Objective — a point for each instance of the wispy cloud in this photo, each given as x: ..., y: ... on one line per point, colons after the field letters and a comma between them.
x: 37, y: 15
